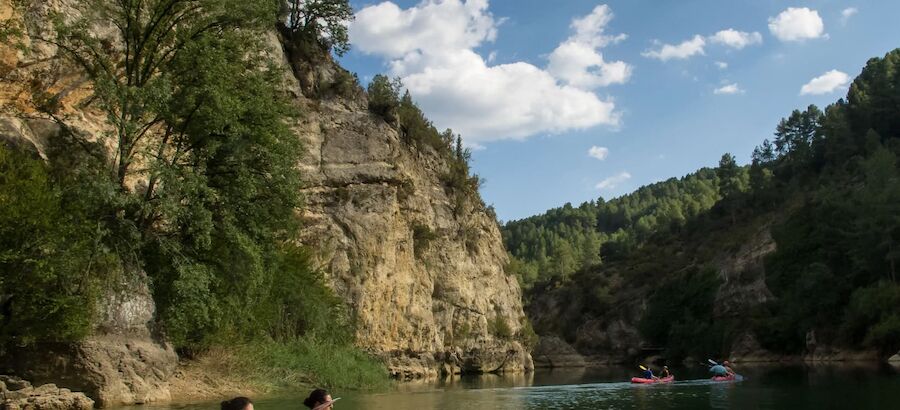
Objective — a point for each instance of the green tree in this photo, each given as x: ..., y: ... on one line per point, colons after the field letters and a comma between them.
x: 51, y: 265
x: 204, y: 159
x: 323, y: 20
x: 384, y: 97
x: 729, y: 175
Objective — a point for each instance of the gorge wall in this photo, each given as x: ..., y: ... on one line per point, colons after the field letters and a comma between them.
x: 438, y: 304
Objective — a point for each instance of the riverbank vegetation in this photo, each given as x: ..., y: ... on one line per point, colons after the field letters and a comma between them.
x: 197, y: 197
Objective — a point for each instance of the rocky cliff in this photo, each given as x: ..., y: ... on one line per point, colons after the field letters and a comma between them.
x: 424, y: 275
x: 576, y: 332
x: 428, y: 304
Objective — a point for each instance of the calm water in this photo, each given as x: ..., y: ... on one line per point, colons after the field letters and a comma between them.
x: 763, y: 388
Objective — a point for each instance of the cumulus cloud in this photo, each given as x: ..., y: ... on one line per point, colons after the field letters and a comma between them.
x: 826, y: 83
x: 598, y: 152
x: 578, y: 60
x: 847, y: 13
x: 686, y: 49
x: 728, y: 89
x: 388, y: 30
x: 797, y: 24
x: 613, y: 181
x: 722, y: 65
x: 736, y: 39
x: 431, y: 47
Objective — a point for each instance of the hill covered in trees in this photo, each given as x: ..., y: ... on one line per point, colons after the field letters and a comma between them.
x: 564, y: 240
x: 797, y: 252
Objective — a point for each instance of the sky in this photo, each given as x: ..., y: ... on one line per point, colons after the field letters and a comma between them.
x: 571, y: 100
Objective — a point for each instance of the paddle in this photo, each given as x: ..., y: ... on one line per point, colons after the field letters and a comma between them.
x: 642, y: 367
x: 712, y: 362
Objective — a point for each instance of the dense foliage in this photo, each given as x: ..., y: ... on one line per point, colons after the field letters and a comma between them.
x: 323, y: 21
x: 564, y: 240
x: 48, y: 255
x: 835, y: 270
x: 827, y: 188
x: 194, y: 183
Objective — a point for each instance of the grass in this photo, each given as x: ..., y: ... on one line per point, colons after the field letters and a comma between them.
x: 305, y: 362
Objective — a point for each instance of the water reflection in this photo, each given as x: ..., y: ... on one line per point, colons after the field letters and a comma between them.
x: 795, y: 387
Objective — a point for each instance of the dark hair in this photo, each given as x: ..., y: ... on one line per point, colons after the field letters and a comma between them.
x: 317, y: 396
x: 237, y: 403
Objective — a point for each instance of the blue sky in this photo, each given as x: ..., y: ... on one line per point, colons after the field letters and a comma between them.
x: 659, y: 88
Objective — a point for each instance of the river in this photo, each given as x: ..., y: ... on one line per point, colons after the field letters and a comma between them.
x: 818, y: 387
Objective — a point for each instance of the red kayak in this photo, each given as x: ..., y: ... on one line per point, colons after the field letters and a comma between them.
x: 729, y: 378
x: 653, y: 381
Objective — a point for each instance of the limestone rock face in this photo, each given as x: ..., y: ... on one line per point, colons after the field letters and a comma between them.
x: 426, y: 305
x: 440, y: 304
x: 553, y: 352
x: 743, y: 275
x: 121, y: 363
x: 18, y: 394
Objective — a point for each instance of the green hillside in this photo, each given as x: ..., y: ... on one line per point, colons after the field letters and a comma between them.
x: 827, y: 188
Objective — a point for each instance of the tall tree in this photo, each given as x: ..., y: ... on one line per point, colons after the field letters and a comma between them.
x: 203, y: 157
x: 322, y: 20
x: 729, y: 182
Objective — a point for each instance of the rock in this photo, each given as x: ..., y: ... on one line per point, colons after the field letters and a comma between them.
x: 746, y: 349
x: 119, y: 364
x: 553, y: 352
x: 14, y: 383
x: 743, y: 275
x: 111, y: 369
x: 366, y: 193
x: 44, y: 397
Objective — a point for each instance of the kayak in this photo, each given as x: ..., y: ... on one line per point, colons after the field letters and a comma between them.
x: 731, y: 378
x: 653, y: 381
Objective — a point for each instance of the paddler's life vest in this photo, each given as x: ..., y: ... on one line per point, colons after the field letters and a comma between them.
x: 718, y: 370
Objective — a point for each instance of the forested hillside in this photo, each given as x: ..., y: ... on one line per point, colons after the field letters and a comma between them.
x: 563, y: 240
x: 825, y: 191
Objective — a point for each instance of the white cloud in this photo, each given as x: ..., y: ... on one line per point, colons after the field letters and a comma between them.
x: 728, y: 89
x: 826, y: 83
x: 578, y: 61
x: 686, y: 49
x: 847, y: 13
x: 431, y: 47
x: 722, y: 65
x: 388, y: 30
x: 736, y: 39
x: 613, y: 181
x: 598, y: 152
x: 797, y: 24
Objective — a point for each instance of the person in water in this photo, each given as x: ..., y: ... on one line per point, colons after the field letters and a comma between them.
x: 319, y: 399
x: 237, y: 403
x: 665, y: 372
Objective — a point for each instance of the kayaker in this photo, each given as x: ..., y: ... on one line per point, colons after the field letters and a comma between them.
x: 648, y: 374
x: 728, y: 370
x: 719, y: 371
x: 665, y: 372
